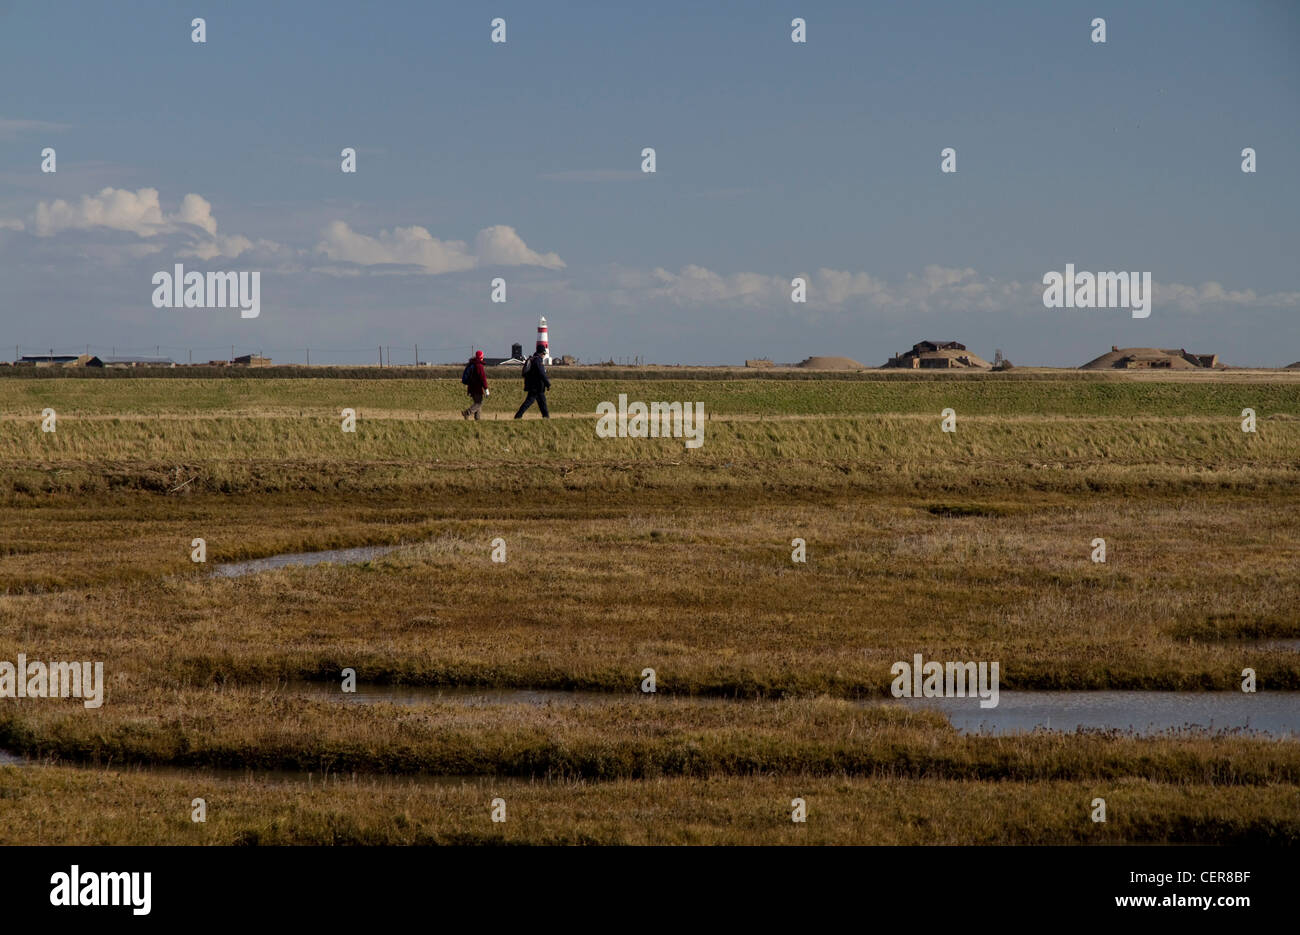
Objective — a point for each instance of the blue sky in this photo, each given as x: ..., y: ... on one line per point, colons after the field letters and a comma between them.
x: 775, y: 159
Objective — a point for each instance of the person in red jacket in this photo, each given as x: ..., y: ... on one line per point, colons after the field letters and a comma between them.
x: 475, y: 385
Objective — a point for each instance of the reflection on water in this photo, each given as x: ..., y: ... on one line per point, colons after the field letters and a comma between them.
x: 1288, y: 645
x: 1273, y: 714
x: 337, y: 556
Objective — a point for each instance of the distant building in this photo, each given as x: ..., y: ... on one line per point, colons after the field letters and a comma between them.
x: 54, y: 360
x: 252, y: 360
x: 1152, y: 358
x: 938, y: 355
x: 516, y: 357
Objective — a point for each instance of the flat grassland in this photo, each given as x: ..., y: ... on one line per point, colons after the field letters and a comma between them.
x: 624, y: 554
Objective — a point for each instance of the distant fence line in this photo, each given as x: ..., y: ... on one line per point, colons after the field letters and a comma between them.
x: 380, y: 355
x: 185, y: 354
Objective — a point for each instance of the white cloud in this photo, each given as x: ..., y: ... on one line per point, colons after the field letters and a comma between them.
x: 837, y: 286
x: 232, y: 247
x: 935, y: 289
x: 829, y: 290
x: 500, y: 245
x: 113, y: 208
x: 141, y: 213
x: 695, y: 285
x: 415, y: 246
x: 1211, y: 295
x: 193, y: 224
x: 197, y: 210
x: 408, y: 246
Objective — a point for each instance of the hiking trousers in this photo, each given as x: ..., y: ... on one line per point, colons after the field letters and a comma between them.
x: 540, y: 397
x: 476, y: 407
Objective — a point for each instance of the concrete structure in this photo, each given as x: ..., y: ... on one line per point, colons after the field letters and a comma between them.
x: 136, y: 362
x: 830, y: 363
x: 252, y: 360
x: 939, y: 355
x: 1152, y: 358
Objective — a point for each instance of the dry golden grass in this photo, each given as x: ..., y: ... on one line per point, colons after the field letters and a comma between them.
x: 700, y: 586
x: 630, y: 553
x: 53, y: 805
x: 630, y: 737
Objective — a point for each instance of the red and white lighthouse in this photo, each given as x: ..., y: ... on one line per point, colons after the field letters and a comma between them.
x: 543, y: 340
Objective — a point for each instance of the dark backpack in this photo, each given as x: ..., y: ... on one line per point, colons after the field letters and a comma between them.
x: 528, y: 366
x: 468, y: 374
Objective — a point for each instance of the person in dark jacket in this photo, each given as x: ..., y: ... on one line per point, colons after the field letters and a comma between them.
x: 476, y: 387
x: 536, y: 382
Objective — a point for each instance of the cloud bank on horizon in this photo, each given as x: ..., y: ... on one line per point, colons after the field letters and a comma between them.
x: 413, y: 250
